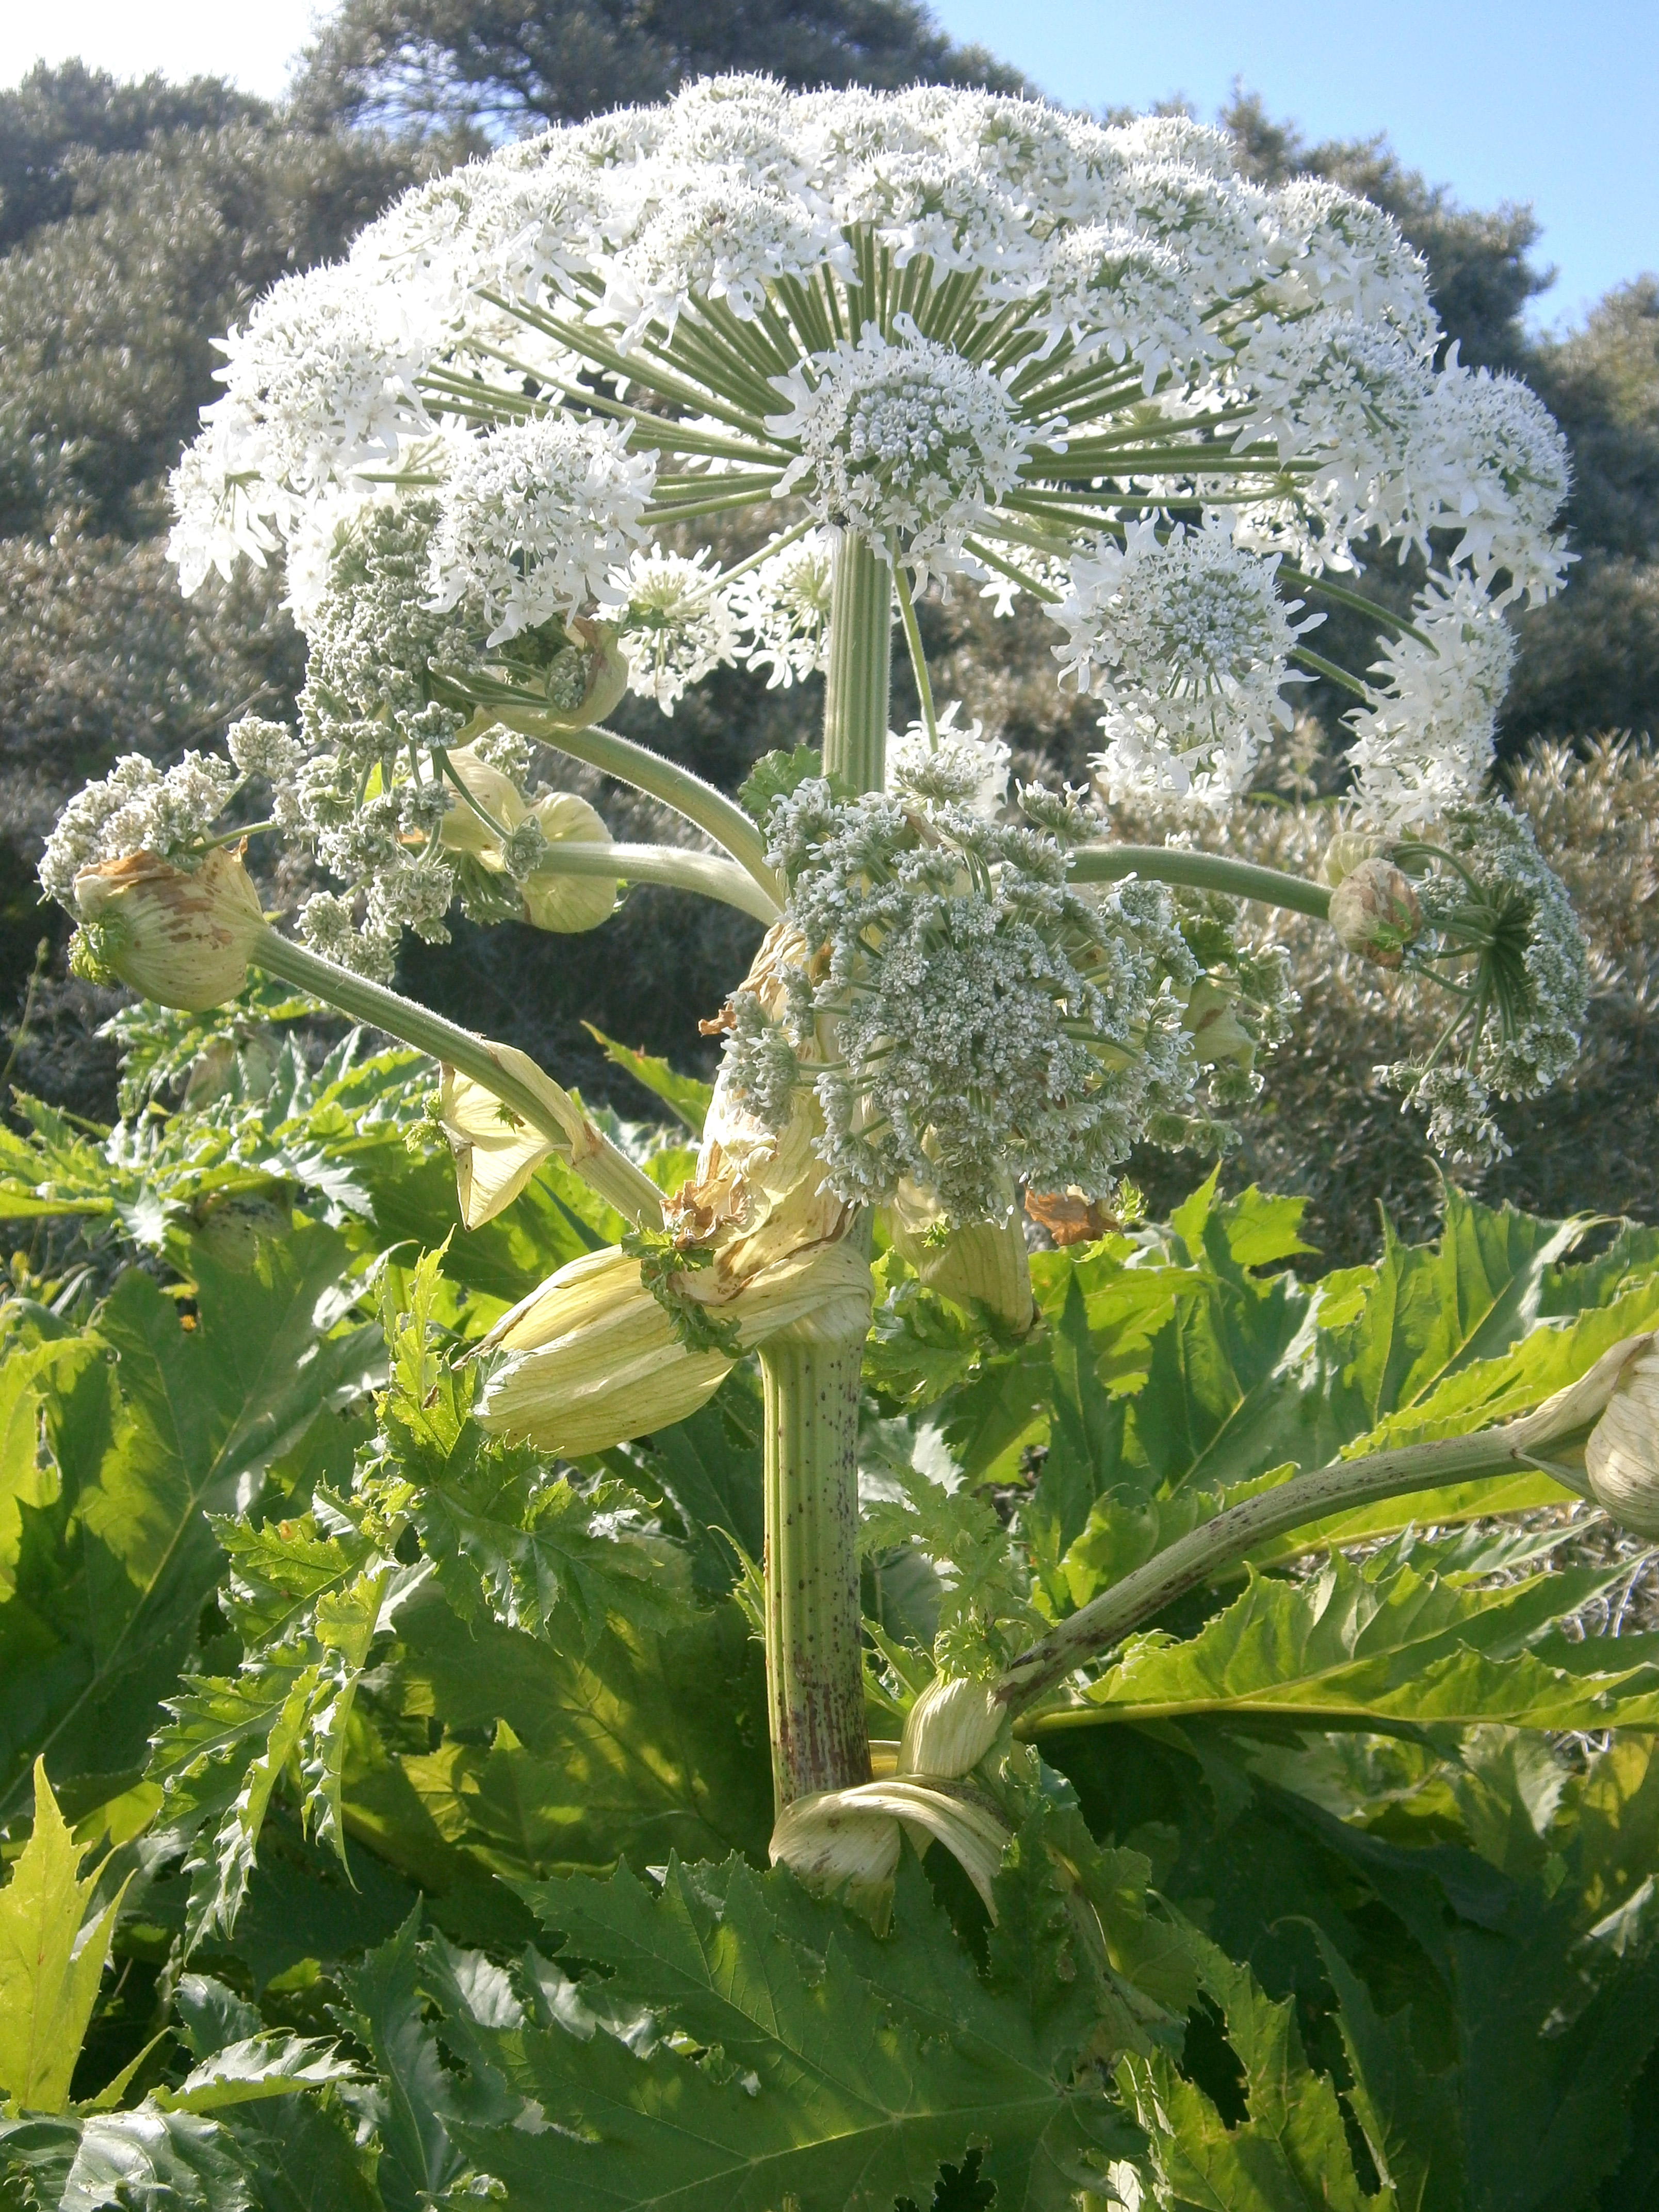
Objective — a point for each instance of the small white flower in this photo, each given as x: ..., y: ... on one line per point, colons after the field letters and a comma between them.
x: 964, y: 769
x: 1425, y: 741
x: 718, y: 238
x: 1188, y: 641
x: 988, y: 1021
x: 1130, y: 296
x: 136, y: 808
x: 321, y: 383
x: 1497, y: 465
x: 263, y: 748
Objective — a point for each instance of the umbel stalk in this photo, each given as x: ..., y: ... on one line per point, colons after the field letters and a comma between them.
x: 814, y: 1663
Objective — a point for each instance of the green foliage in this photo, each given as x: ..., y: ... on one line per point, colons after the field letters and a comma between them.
x: 504, y: 1535
x: 778, y: 775
x: 724, y: 2042
x: 153, y: 1420
x: 684, y: 1097
x: 488, y: 1680
x: 53, y: 1946
x: 1290, y: 2149
x: 1392, y: 1640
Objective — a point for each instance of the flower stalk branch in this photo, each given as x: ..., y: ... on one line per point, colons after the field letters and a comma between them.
x: 1206, y: 872
x: 673, y: 865
x: 546, y: 1107
x: 814, y: 1663
x: 814, y: 1668
x: 1220, y: 1544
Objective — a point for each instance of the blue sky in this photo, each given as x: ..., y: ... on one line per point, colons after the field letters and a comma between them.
x: 1558, y: 105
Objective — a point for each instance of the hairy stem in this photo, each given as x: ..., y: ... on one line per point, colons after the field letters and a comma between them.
x: 860, y: 675
x: 814, y: 1669
x: 707, y: 873
x: 552, y: 1111
x: 1221, y: 1543
x: 1205, y: 871
x: 717, y: 816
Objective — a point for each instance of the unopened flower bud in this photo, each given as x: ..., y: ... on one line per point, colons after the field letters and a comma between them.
x: 1215, y: 1030
x: 978, y: 1263
x: 606, y: 672
x: 1345, y: 852
x: 552, y: 899
x: 949, y: 1728
x: 1621, y: 1459
x: 564, y: 903
x: 1374, y: 910
x: 847, y: 1841
x: 465, y: 829
x: 182, y: 938
x: 594, y: 1357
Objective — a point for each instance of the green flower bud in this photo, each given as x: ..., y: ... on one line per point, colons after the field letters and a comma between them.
x: 183, y: 938
x: 847, y: 1841
x: 1344, y: 852
x: 1374, y: 910
x: 464, y: 830
x: 561, y: 902
x: 949, y: 1728
x: 552, y: 900
x: 607, y: 672
x: 593, y: 1356
x: 1217, y: 1033
x: 982, y: 1263
x: 1621, y: 1459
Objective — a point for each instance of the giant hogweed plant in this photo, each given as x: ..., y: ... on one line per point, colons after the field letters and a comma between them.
x: 936, y: 341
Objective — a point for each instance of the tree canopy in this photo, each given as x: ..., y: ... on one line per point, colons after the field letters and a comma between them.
x: 500, y: 66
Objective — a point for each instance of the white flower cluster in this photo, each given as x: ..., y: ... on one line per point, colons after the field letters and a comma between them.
x: 906, y: 442
x: 784, y: 605
x: 1187, y: 638
x: 136, y: 808
x: 1424, y: 741
x: 1497, y: 905
x: 959, y: 767
x: 362, y: 795
x: 983, y: 1020
x: 676, y: 625
x: 979, y: 334
x: 534, y: 518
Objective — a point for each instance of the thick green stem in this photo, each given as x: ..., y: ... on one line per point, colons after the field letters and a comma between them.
x: 859, y: 675
x: 1205, y: 871
x: 549, y: 1109
x: 814, y: 1666
x: 814, y: 1658
x: 1220, y: 1544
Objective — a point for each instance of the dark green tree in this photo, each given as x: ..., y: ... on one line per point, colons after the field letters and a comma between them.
x: 139, y: 219
x: 55, y: 119
x: 517, y: 66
